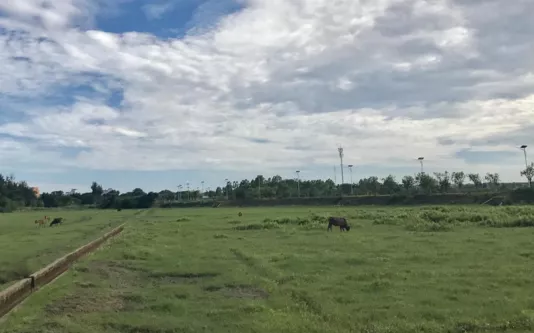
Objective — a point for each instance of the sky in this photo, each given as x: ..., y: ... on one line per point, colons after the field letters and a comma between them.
x: 155, y: 94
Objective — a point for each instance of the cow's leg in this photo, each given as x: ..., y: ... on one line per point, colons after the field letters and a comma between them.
x: 329, y: 227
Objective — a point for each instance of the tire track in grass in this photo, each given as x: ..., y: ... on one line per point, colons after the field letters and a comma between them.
x: 277, y: 280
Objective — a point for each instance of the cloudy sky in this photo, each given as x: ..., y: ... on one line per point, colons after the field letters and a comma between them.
x: 158, y: 93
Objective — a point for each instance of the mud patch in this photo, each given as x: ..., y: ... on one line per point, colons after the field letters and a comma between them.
x: 85, y: 302
x: 239, y: 291
x: 118, y: 275
x: 175, y: 277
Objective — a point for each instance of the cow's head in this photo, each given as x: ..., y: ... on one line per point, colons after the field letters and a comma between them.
x: 348, y: 227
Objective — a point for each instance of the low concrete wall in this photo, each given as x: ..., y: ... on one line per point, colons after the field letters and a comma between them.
x: 15, y: 294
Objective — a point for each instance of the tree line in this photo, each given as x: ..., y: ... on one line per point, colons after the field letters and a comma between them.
x: 18, y: 194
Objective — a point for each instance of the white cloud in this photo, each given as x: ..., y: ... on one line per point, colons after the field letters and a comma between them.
x: 276, y: 86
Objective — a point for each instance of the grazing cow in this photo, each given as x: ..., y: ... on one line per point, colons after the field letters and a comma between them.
x: 56, y: 221
x: 340, y: 222
x: 40, y: 222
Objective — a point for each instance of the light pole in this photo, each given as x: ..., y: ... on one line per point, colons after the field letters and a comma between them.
x: 259, y: 186
x: 351, y: 182
x: 226, y: 185
x: 340, y: 150
x: 188, y: 192
x: 298, y: 183
x: 524, y: 148
x: 421, y: 159
x: 180, y: 192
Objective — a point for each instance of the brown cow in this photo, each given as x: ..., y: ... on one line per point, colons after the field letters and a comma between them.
x: 340, y: 222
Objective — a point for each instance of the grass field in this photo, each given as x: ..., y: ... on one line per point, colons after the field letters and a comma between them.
x: 25, y: 247
x: 427, y: 269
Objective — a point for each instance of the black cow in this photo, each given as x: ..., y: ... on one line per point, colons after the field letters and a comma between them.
x: 56, y: 221
x: 340, y: 222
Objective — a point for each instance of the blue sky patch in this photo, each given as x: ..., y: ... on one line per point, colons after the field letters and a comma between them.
x: 166, y: 18
x: 486, y: 157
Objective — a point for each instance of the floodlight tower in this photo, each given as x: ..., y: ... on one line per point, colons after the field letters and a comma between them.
x: 351, y: 182
x: 180, y: 192
x: 340, y: 150
x: 259, y: 186
x: 524, y: 148
x: 188, y: 191
x: 421, y: 159
x: 298, y: 183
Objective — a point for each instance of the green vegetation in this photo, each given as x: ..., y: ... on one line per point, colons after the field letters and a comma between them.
x: 25, y: 247
x: 425, y: 269
x: 433, y: 189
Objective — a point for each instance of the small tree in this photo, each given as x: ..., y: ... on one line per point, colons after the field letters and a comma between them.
x: 475, y: 179
x: 528, y: 173
x: 493, y: 179
x: 408, y: 182
x: 444, y: 180
x: 458, y: 179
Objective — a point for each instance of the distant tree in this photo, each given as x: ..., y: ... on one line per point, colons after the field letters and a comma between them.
x: 390, y: 185
x: 493, y: 179
x: 166, y: 196
x: 426, y: 182
x: 458, y: 179
x: 370, y: 185
x: 408, y: 183
x: 475, y: 179
x: 137, y: 192
x: 528, y: 173
x: 96, y: 189
x: 444, y: 181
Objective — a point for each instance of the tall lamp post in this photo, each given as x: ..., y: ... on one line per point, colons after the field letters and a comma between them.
x: 226, y: 186
x: 524, y: 148
x: 340, y: 150
x: 351, y: 182
x: 298, y: 183
x: 259, y: 186
x: 421, y: 159
x: 180, y: 192
x: 188, y: 192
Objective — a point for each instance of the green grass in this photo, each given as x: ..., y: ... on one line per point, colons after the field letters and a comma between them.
x: 25, y: 247
x: 422, y: 269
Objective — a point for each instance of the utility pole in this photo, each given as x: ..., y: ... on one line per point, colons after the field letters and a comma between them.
x: 226, y: 186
